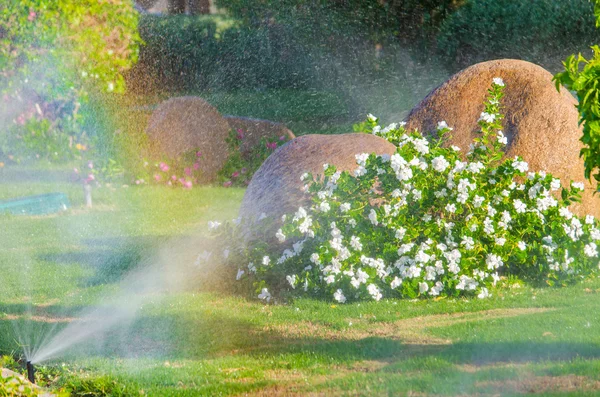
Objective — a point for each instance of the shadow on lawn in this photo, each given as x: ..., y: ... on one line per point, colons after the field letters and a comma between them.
x: 111, y: 258
x: 192, y: 333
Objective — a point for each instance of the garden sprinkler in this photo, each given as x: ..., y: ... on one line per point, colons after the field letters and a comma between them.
x: 30, y: 372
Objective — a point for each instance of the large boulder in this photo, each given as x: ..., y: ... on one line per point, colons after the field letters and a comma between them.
x: 183, y: 124
x: 255, y: 129
x: 276, y: 187
x: 541, y: 123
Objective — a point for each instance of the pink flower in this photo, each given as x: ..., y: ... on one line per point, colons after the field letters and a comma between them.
x: 163, y: 167
x: 240, y: 133
x: 90, y: 165
x: 198, y: 154
x: 196, y: 166
x: 272, y: 145
x: 235, y: 174
x: 188, y: 171
x: 31, y: 16
x: 137, y: 182
x: 157, y: 177
x: 187, y: 185
x: 227, y: 183
x: 173, y: 177
x: 282, y: 138
x: 169, y: 183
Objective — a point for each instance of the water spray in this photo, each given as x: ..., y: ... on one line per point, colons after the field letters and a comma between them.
x: 30, y: 372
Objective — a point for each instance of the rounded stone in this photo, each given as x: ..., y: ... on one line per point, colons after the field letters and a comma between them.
x: 276, y: 187
x: 540, y: 122
x: 184, y: 124
x: 256, y: 129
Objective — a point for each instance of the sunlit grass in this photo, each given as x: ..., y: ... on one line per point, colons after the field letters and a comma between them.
x: 193, y: 343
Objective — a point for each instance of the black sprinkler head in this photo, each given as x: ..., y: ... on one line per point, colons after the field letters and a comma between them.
x: 30, y: 372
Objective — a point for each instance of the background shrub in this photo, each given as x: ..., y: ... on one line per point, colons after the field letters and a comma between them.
x: 54, y: 56
x: 541, y: 31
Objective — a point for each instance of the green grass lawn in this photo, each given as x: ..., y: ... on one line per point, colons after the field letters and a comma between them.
x: 193, y: 342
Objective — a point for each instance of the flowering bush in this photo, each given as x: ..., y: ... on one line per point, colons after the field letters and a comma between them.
x: 54, y: 56
x: 425, y: 223
x: 240, y: 167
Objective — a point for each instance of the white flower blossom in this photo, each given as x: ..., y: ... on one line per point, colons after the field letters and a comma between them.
x: 264, y: 295
x: 578, y: 185
x: 280, y: 236
x: 339, y: 296
x: 292, y: 280
x: 440, y: 164
x: 442, y: 125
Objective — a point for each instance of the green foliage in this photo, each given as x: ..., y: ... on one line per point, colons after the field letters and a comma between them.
x: 241, y: 165
x: 53, y: 55
x: 407, y: 19
x: 583, y: 76
x: 541, y: 31
x: 424, y: 223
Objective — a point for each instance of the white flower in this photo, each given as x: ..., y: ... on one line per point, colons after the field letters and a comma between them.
x: 436, y: 289
x: 355, y: 243
x: 520, y: 206
x: 519, y: 165
x: 280, y: 236
x: 396, y: 282
x: 264, y: 295
x: 468, y: 242
x: 325, y: 166
x: 591, y: 250
x: 565, y: 213
x: 352, y: 222
x: 330, y: 279
x: 522, y: 246
x: 555, y: 184
x: 266, y: 260
x: 371, y: 118
x: 475, y: 167
x: 498, y: 81
x: 589, y: 219
x: 374, y: 291
x: 487, y: 117
x: 400, y: 232
x: 292, y: 280
x: 501, y: 138
x: 455, y: 148
x: 421, y: 145
x: 578, y: 185
x: 442, y: 125
x: 373, y: 217
x: 477, y: 201
x: 345, y: 207
x: 324, y: 206
x: 423, y: 287
x: 339, y: 296
x: 213, y: 225
x: 493, y: 261
x: 484, y: 293
x: 239, y: 275
x: 440, y: 164
x: 314, y: 258
x: 451, y: 208
x: 500, y: 241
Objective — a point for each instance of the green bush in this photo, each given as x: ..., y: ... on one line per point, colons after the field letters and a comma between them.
x: 541, y: 31
x: 434, y: 225
x: 54, y: 54
x: 582, y: 76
